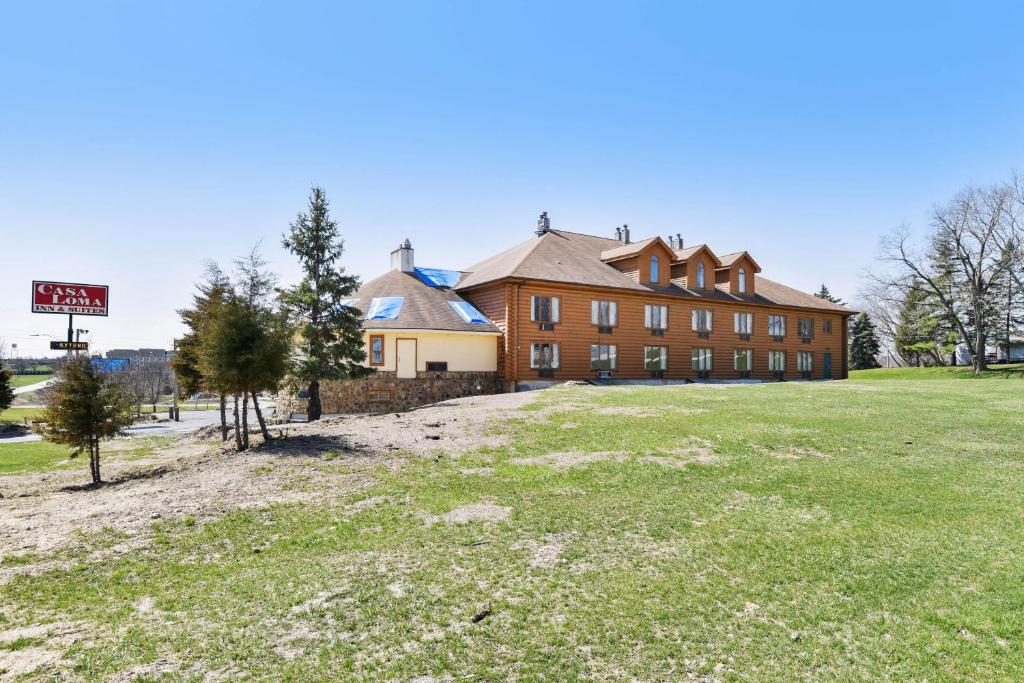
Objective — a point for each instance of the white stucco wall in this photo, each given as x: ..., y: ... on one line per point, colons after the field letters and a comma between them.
x: 463, y: 351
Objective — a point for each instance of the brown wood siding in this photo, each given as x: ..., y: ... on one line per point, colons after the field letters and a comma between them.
x: 628, y: 266
x: 575, y: 334
x: 728, y: 279
x: 492, y: 301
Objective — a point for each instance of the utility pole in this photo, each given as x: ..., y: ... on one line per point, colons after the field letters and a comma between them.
x: 71, y: 333
x: 174, y: 384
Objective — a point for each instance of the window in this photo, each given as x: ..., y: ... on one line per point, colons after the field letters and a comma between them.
x: 377, y: 350
x: 777, y: 325
x: 437, y: 366
x: 744, y: 323
x: 655, y: 357
x: 805, y: 327
x: 655, y: 275
x: 604, y: 313
x: 544, y: 309
x: 777, y: 361
x: 544, y: 355
x: 805, y: 361
x: 602, y: 356
x: 700, y: 274
x: 701, y: 319
x: 826, y: 326
x: 743, y: 360
x: 379, y: 396
x: 701, y: 360
x: 743, y: 281
x: 656, y: 317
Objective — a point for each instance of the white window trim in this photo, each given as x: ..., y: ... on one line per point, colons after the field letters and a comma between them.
x: 663, y: 357
x: 535, y: 354
x: 694, y: 316
x: 748, y: 318
x: 613, y: 312
x: 555, y: 312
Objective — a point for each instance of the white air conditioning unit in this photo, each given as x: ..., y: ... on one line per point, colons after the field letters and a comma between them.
x: 604, y: 374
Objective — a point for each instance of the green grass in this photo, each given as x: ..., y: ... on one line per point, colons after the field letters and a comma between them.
x: 1008, y: 371
x: 796, y: 531
x: 25, y: 380
x: 34, y: 456
x: 19, y: 415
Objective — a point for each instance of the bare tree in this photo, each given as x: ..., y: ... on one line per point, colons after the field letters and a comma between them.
x: 971, y: 249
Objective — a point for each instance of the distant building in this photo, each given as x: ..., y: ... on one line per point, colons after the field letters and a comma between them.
x: 142, y: 358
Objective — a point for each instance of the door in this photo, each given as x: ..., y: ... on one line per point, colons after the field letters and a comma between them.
x: 828, y: 365
x: 406, y: 358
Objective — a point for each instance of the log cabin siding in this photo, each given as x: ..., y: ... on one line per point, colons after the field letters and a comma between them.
x: 575, y: 333
x: 728, y: 279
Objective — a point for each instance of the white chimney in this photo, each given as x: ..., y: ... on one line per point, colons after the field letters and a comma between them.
x: 401, y: 258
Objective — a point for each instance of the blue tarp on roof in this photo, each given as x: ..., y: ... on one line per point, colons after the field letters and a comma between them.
x: 468, y: 313
x: 385, y: 307
x: 436, y: 277
x: 348, y: 303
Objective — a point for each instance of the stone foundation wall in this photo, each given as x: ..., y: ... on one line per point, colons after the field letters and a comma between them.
x: 383, y: 392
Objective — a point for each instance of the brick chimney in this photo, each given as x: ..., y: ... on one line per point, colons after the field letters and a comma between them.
x: 401, y: 258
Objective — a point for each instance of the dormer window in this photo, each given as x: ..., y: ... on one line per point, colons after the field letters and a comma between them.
x: 743, y: 280
x: 700, y: 275
x: 655, y: 274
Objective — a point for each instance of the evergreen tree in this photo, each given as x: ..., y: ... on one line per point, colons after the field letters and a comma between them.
x: 863, y: 344
x: 186, y: 362
x: 825, y: 294
x: 84, y: 408
x: 914, y: 337
x: 6, y: 392
x: 331, y: 335
x: 245, y: 345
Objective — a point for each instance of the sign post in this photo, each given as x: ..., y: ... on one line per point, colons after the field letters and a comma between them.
x: 69, y: 298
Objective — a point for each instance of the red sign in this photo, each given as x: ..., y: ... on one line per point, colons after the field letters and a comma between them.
x: 68, y: 297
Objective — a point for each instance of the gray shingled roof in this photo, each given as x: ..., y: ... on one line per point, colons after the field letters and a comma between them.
x: 575, y: 258
x: 425, y: 307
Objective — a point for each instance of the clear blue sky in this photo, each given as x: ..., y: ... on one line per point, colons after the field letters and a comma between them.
x: 138, y: 138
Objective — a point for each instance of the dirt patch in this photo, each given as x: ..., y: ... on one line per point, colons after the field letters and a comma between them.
x: 42, y: 512
x: 792, y: 452
x: 476, y: 512
x: 565, y: 460
x: 629, y: 410
x: 480, y: 471
x: 454, y: 426
x: 28, y: 660
x: 548, y: 554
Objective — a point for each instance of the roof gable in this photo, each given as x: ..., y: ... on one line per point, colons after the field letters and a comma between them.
x: 683, y: 255
x: 729, y: 259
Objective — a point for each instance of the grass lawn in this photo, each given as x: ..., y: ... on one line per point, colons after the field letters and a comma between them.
x: 33, y: 456
x: 868, y: 529
x: 1008, y: 371
x: 25, y: 380
x: 19, y: 415
x: 42, y: 456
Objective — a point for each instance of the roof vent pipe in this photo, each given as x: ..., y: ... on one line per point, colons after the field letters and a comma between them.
x: 671, y: 241
x: 618, y: 233
x: 679, y: 241
x: 625, y: 234
x: 543, y: 225
x: 401, y: 258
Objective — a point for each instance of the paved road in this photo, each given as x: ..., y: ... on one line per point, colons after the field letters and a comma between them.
x: 34, y: 387
x: 190, y: 420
